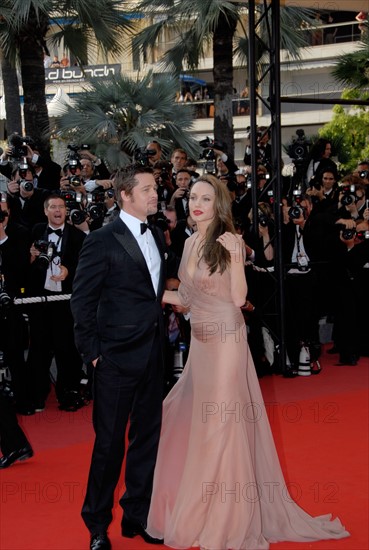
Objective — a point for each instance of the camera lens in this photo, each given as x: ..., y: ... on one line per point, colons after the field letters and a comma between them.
x: 26, y: 185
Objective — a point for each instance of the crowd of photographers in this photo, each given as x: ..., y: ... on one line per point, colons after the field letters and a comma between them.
x: 47, y: 210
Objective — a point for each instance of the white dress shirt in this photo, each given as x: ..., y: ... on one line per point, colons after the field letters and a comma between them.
x: 147, y: 244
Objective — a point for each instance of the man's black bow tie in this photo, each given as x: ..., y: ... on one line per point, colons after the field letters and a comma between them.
x: 144, y: 227
x: 58, y: 232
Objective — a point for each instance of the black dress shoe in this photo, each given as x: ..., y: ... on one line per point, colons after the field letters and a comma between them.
x: 71, y: 401
x: 130, y: 529
x: 20, y: 454
x: 290, y: 372
x: 100, y: 541
x: 349, y: 360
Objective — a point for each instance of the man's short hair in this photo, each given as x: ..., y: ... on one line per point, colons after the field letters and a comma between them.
x: 125, y: 179
x: 51, y: 197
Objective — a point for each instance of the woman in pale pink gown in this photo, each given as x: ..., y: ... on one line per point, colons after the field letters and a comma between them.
x: 218, y: 484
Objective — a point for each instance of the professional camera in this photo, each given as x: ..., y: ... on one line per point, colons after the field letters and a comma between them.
x: 5, y: 299
x: 348, y: 195
x: 95, y: 211
x: 26, y: 185
x: 296, y: 210
x: 364, y: 174
x: 209, y: 166
x: 23, y: 169
x: 162, y: 221
x: 73, y: 202
x: 109, y: 193
x: 298, y: 149
x: 73, y: 152
x: 142, y: 155
x: 264, y: 220
x: 362, y: 235
x: 47, y: 252
x: 75, y: 181
x: 18, y: 145
x: 348, y: 234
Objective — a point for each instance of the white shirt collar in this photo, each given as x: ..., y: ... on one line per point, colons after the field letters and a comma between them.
x: 133, y: 224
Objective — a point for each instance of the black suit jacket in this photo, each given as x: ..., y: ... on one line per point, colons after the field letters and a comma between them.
x: 14, y: 253
x: 71, y: 245
x: 116, y: 311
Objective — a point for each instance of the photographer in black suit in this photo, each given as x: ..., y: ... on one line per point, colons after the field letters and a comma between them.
x: 116, y: 304
x: 54, y: 256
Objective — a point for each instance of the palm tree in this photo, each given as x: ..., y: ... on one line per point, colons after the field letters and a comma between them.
x: 121, y: 116
x: 198, y: 23
x: 24, y: 27
x: 11, y: 92
x: 352, y: 69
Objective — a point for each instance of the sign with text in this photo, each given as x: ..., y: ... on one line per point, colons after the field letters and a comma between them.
x: 78, y: 74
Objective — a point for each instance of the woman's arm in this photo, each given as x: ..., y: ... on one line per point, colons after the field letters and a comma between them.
x: 235, y: 246
x: 172, y: 297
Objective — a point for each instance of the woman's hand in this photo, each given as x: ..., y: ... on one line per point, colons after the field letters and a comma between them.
x: 233, y: 243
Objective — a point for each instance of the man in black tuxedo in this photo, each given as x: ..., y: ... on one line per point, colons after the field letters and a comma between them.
x: 179, y: 199
x: 26, y: 201
x: 116, y: 304
x: 54, y: 256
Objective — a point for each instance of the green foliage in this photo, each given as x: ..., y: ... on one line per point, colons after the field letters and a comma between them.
x: 122, y: 115
x: 349, y: 132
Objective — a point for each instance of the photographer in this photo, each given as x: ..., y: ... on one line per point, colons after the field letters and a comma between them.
x: 90, y: 180
x: 351, y: 202
x: 178, y: 160
x: 162, y: 172
x: 99, y: 168
x: 47, y: 172
x: 261, y: 284
x: 324, y: 190
x: 26, y: 201
x: 14, y: 268
x: 319, y: 160
x: 179, y: 199
x: 54, y: 256
x: 264, y: 148
x: 85, y: 209
x: 299, y: 237
x: 351, y: 267
x: 154, y: 152
x: 111, y: 207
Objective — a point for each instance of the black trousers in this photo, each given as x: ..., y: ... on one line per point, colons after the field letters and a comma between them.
x: 122, y: 394
x: 302, y: 313
x: 51, y: 334
x: 13, y: 342
x: 12, y: 436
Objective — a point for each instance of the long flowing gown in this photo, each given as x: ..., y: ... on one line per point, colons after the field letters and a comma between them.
x: 218, y: 483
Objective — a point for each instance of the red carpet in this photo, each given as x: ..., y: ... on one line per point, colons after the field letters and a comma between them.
x: 320, y: 424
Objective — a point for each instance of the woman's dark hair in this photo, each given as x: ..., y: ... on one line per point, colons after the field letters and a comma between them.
x: 318, y: 149
x: 212, y: 252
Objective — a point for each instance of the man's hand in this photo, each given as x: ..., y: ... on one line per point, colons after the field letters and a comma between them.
x: 62, y: 275
x: 349, y: 224
x: 13, y: 187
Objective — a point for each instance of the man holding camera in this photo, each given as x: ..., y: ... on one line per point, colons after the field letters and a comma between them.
x: 26, y: 201
x: 24, y: 149
x: 179, y: 199
x: 299, y: 239
x: 54, y: 256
